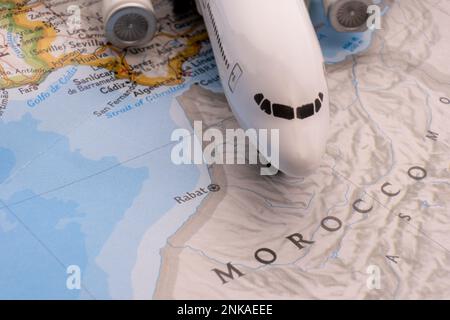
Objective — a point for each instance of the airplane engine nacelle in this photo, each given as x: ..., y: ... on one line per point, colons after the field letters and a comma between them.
x: 272, y: 71
x: 348, y: 15
x: 129, y: 23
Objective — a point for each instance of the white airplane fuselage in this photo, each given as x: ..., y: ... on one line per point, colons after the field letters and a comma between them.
x: 271, y: 67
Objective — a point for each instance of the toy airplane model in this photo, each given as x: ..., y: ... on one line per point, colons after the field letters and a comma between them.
x: 269, y: 61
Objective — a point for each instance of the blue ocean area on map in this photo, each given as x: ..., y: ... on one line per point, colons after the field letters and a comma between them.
x: 31, y: 272
x: 71, y: 224
x: 37, y: 170
x: 7, y: 163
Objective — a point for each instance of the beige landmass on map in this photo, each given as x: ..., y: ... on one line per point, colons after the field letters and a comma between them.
x: 384, y: 103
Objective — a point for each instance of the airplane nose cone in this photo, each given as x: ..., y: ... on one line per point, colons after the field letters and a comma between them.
x: 302, y: 132
x: 302, y: 155
x: 303, y: 143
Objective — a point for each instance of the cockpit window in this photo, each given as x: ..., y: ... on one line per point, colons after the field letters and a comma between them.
x: 282, y: 111
x: 318, y: 105
x: 287, y: 112
x: 258, y: 98
x: 305, y: 111
x: 265, y: 106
